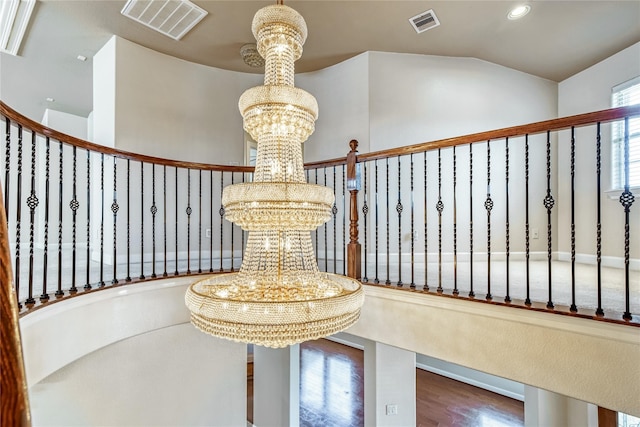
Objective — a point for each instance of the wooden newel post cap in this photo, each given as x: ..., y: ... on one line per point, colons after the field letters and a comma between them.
x: 353, y: 144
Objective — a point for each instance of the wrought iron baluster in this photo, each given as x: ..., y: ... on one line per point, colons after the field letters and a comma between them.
x: 32, y: 203
x: 626, y: 200
x: 365, y: 211
x: 242, y: 247
x: 128, y: 278
x: 344, y: 222
x: 388, y: 281
x: 376, y: 279
x: 527, y: 300
x: 334, y: 211
x: 326, y: 244
x: 45, y: 257
x: 211, y: 221
x: 18, y: 216
x: 154, y: 211
x: 548, y: 204
x: 164, y: 217
x: 455, y: 226
x: 221, y: 212
x: 200, y: 221
x: 87, y: 285
x: 573, y: 307
x: 59, y: 293
x: 425, y: 287
x: 114, y: 209
x: 488, y: 205
x: 7, y: 166
x: 188, y: 212
x: 142, y: 220
x: 439, y: 208
x: 599, y: 310
x: 472, y: 294
x: 317, y: 252
x: 507, y: 297
x: 232, y: 253
x: 102, y: 284
x: 74, y: 205
x: 399, y: 210
x: 412, y: 285
x: 175, y: 273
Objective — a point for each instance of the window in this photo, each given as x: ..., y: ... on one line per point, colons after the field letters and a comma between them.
x: 626, y: 94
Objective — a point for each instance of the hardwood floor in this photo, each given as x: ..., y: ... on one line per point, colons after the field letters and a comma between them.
x: 332, y: 394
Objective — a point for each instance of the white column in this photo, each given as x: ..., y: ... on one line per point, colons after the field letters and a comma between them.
x: 389, y: 386
x: 549, y: 409
x: 276, y: 386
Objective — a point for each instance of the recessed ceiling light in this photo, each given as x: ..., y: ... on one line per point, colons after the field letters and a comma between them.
x: 51, y: 100
x: 82, y: 58
x: 519, y: 11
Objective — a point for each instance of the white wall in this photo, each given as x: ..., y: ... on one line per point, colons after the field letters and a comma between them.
x: 104, y: 95
x: 168, y: 107
x: 390, y: 385
x: 392, y: 100
x: 590, y: 90
x: 342, y: 92
x: 66, y: 123
x: 160, y: 378
x: 149, y: 103
x: 161, y: 371
x: 420, y: 98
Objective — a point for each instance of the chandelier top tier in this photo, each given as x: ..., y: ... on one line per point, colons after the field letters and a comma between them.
x: 279, y: 297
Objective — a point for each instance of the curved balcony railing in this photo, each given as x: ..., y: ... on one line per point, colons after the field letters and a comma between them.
x: 522, y: 217
x: 516, y: 216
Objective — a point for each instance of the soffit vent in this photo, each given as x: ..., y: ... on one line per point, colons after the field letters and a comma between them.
x: 424, y: 21
x: 173, y: 18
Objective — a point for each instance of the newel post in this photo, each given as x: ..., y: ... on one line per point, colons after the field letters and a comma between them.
x: 353, y: 185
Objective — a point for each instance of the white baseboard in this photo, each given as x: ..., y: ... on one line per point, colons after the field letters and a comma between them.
x: 607, y: 261
x: 476, y: 383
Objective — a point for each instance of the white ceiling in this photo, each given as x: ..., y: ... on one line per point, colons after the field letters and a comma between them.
x: 556, y: 40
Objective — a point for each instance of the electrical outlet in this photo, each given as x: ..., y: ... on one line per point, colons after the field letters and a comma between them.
x: 534, y: 233
x: 208, y: 233
x: 392, y: 409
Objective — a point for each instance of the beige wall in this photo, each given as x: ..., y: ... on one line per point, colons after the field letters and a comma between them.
x: 591, y: 361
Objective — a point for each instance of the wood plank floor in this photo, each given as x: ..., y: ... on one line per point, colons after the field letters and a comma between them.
x: 332, y: 394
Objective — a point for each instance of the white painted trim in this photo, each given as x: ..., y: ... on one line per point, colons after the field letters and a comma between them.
x: 470, y: 381
x: 346, y: 342
x: 607, y: 261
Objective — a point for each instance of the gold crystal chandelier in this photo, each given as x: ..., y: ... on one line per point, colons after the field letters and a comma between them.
x: 279, y: 297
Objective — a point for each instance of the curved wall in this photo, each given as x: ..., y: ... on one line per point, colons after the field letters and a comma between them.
x: 584, y: 359
x: 194, y: 380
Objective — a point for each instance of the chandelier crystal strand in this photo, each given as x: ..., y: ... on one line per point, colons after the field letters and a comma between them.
x: 279, y: 297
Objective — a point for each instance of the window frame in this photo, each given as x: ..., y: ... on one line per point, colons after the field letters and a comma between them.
x: 617, y: 138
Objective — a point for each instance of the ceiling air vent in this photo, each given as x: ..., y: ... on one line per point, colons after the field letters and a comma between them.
x: 424, y: 21
x: 173, y: 18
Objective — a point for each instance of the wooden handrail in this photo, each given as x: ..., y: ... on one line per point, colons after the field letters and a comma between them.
x: 14, y: 409
x: 562, y: 123
x: 38, y: 128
